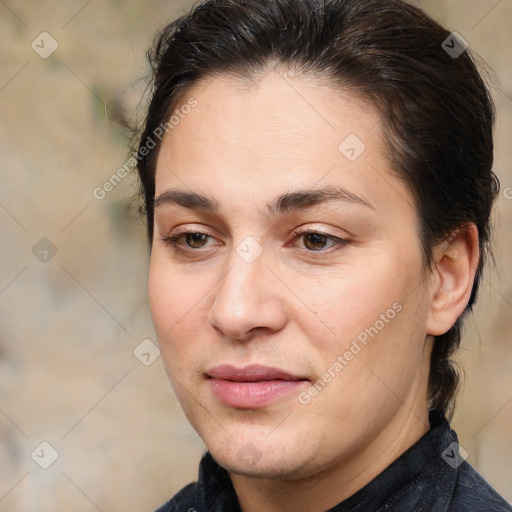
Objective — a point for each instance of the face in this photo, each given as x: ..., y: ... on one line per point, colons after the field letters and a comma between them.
x: 286, y: 282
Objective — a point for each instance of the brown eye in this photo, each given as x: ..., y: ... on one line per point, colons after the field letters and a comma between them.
x: 188, y: 240
x: 196, y: 240
x: 315, y: 241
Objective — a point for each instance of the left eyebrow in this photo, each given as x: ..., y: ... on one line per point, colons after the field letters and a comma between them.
x: 285, y: 203
x: 291, y: 201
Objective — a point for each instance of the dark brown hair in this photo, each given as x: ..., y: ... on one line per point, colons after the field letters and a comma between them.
x: 437, y: 113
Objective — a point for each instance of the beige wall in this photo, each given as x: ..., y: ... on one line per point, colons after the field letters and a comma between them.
x: 68, y: 375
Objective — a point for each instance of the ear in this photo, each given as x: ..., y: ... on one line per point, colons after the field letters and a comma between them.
x: 455, y: 263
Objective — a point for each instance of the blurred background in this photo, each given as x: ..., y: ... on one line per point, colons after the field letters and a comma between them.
x: 88, y: 420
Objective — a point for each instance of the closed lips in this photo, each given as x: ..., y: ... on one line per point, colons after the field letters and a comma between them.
x: 253, y: 386
x: 252, y: 373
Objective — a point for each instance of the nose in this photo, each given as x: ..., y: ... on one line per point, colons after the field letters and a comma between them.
x: 248, y: 300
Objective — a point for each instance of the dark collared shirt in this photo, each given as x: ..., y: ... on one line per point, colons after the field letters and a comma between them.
x: 431, y: 476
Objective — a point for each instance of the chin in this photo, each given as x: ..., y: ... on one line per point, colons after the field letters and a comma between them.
x: 265, y: 465
x: 258, y: 455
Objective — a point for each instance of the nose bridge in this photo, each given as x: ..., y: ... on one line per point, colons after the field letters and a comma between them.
x: 245, y: 298
x: 239, y: 290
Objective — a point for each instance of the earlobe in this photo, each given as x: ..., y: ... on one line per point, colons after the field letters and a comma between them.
x: 455, y: 264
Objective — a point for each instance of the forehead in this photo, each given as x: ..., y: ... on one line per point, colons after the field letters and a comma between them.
x: 275, y: 109
x: 274, y: 134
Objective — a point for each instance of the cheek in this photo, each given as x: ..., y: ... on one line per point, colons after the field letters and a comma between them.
x: 162, y: 297
x: 380, y: 336
x: 176, y: 301
x: 374, y: 313
x: 348, y: 301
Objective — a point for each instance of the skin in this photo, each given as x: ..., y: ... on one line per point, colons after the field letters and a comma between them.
x: 295, y: 308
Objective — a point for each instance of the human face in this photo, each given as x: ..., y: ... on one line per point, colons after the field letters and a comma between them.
x: 253, y: 296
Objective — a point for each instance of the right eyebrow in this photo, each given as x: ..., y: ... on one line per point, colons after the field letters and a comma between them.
x: 187, y: 200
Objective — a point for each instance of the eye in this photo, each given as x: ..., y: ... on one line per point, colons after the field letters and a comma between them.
x: 193, y: 240
x: 314, y: 241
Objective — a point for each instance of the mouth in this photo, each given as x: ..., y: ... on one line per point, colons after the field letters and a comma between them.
x: 252, y: 386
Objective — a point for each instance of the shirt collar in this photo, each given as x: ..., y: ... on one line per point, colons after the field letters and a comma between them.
x: 419, y: 476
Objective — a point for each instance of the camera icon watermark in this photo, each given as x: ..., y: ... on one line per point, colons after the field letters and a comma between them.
x: 455, y: 45
x: 454, y: 455
x: 352, y: 147
x: 44, y: 45
x: 249, y: 454
x: 508, y: 193
x: 249, y: 249
x: 44, y: 250
x: 146, y: 352
x: 44, y: 455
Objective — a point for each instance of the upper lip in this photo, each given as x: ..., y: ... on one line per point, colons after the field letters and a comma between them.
x: 250, y: 373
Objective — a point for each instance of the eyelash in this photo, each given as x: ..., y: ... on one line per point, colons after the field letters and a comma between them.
x: 340, y: 242
x: 173, y: 241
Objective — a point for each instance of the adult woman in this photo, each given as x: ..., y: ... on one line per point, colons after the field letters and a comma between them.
x: 318, y: 219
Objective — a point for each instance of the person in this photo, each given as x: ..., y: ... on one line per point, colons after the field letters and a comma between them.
x: 318, y: 187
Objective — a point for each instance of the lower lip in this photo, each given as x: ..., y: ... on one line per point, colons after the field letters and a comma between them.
x: 251, y: 395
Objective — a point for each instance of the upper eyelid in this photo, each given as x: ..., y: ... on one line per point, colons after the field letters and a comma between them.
x: 340, y: 240
x: 299, y: 230
x: 294, y: 232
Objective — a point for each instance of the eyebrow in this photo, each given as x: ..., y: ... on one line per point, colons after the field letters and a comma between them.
x: 285, y: 203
